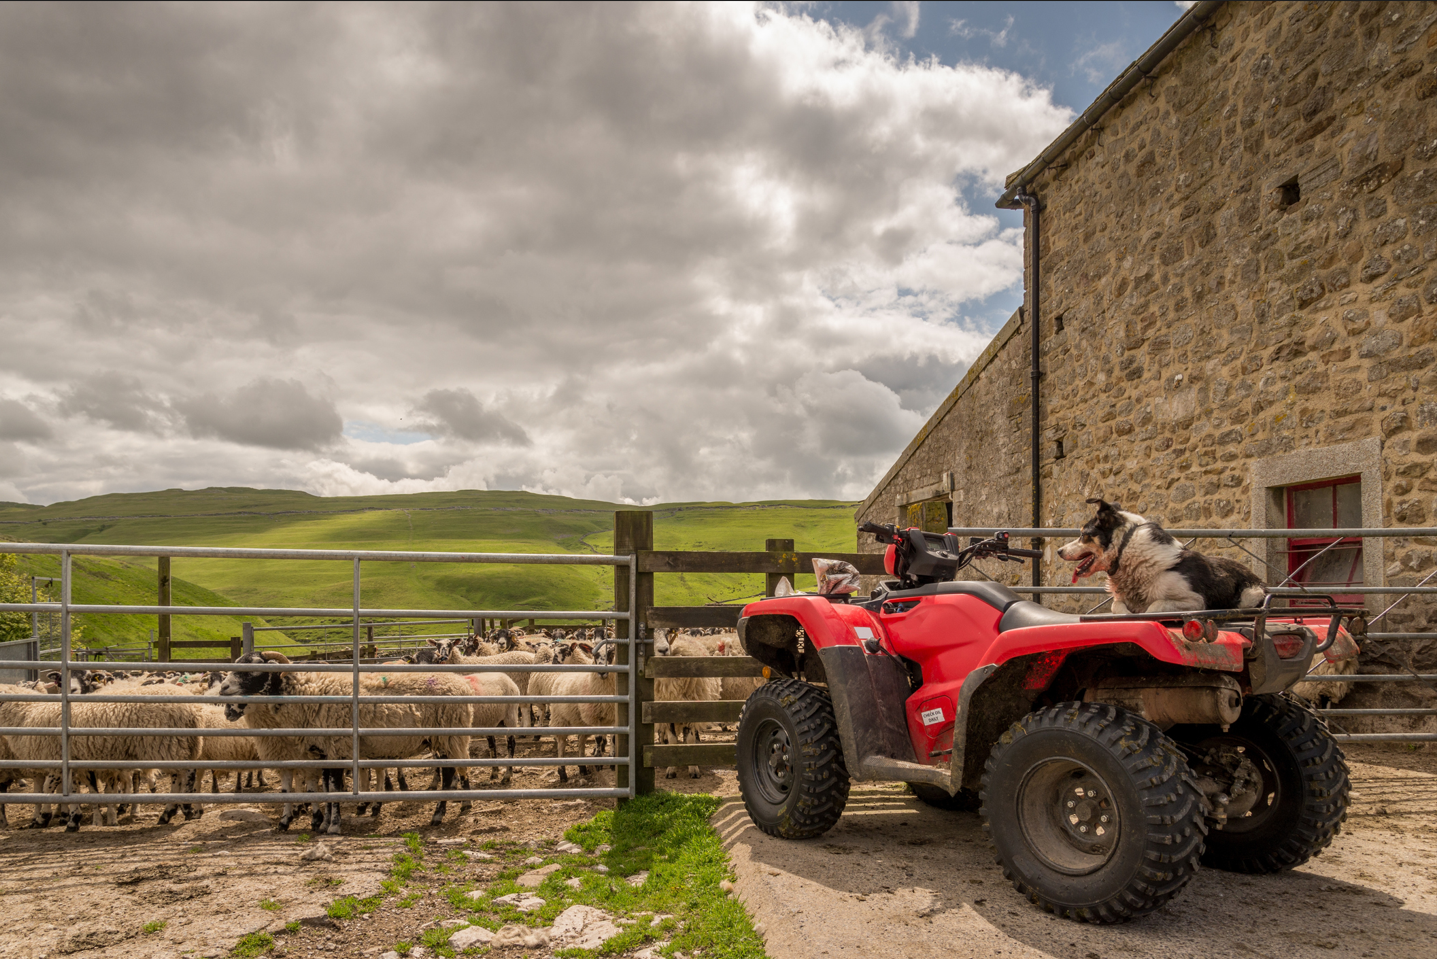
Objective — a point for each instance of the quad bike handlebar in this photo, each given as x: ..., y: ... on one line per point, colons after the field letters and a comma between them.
x: 918, y: 557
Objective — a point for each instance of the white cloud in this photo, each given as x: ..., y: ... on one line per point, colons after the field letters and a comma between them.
x: 653, y: 252
x: 996, y: 38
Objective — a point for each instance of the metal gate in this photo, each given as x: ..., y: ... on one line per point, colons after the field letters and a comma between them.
x: 62, y: 765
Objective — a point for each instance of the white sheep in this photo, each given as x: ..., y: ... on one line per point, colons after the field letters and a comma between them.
x: 136, y: 746
x: 685, y: 689
x: 494, y: 714
x: 1327, y: 693
x: 582, y: 714
x: 456, y: 715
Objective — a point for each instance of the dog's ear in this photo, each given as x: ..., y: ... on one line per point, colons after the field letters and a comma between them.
x: 1104, y: 506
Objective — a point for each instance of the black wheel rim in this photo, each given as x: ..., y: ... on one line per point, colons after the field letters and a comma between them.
x: 1068, y: 816
x: 1269, y: 802
x: 773, y: 762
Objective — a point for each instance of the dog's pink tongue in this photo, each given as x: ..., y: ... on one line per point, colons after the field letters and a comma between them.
x: 1075, y: 575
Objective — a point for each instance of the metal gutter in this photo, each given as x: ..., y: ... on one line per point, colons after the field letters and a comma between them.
x: 1139, y: 70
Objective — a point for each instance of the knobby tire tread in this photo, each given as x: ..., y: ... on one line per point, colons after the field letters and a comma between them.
x: 1325, y: 788
x: 1176, y: 823
x: 822, y: 782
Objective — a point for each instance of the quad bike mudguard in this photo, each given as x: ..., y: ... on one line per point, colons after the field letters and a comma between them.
x: 905, y: 674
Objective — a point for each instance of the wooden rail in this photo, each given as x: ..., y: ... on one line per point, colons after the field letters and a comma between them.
x: 633, y: 534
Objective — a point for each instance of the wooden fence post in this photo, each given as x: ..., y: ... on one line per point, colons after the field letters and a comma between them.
x: 633, y: 533
x: 770, y: 580
x: 164, y: 600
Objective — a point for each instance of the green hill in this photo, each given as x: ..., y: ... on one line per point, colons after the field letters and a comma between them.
x: 464, y: 521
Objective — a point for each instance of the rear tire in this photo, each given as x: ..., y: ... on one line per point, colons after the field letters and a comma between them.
x: 965, y: 800
x: 1305, y: 785
x: 790, y: 760
x: 1093, y: 812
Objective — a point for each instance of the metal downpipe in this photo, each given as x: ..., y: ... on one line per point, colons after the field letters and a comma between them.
x: 1035, y: 373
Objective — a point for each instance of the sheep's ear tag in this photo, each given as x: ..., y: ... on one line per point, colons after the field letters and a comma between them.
x: 384, y: 680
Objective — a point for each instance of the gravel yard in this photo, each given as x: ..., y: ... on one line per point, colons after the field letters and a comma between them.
x: 894, y: 876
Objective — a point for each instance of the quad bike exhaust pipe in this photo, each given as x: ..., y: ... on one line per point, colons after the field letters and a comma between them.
x: 1172, y: 701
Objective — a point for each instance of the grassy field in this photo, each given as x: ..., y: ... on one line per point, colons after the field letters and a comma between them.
x: 446, y: 522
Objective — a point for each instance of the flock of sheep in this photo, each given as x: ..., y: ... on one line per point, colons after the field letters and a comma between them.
x: 183, y: 738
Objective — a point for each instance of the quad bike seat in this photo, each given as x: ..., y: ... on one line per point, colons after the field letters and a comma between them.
x: 1023, y: 613
x: 996, y: 595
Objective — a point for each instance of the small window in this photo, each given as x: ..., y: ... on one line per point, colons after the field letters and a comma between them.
x: 1058, y: 323
x: 933, y: 516
x: 1058, y: 450
x: 1330, y: 504
x: 1289, y: 193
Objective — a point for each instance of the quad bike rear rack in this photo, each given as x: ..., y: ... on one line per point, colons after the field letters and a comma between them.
x: 1261, y: 625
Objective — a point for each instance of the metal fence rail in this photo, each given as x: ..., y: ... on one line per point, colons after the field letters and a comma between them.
x: 1426, y: 681
x: 67, y: 764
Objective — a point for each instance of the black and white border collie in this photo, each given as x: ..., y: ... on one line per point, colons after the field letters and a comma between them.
x: 1148, y: 572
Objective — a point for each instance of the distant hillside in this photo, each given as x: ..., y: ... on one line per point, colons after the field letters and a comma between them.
x: 465, y: 521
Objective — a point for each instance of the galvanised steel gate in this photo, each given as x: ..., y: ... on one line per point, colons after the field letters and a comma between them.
x: 64, y: 765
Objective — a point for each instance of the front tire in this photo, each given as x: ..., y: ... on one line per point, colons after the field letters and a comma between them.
x: 1093, y: 812
x: 1303, y: 799
x: 790, y: 760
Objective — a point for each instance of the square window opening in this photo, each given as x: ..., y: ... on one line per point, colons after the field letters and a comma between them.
x: 1322, y: 561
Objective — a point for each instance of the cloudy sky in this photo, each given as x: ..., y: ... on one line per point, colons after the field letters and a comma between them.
x: 641, y: 253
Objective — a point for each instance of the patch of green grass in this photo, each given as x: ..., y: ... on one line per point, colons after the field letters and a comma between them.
x: 303, y: 838
x: 670, y: 836
x: 254, y: 944
x: 154, y: 926
x: 270, y: 905
x: 292, y: 926
x: 403, y: 946
x: 408, y: 901
x: 349, y: 906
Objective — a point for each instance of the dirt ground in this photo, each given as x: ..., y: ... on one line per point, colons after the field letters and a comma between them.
x: 894, y: 878
x: 897, y: 878
x: 93, y: 893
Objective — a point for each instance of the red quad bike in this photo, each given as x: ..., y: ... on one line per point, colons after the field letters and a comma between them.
x: 1110, y: 754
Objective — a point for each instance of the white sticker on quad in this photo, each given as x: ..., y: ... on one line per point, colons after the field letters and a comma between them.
x: 931, y: 717
x: 863, y: 632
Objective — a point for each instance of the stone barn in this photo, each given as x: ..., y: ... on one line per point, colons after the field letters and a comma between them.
x: 1230, y: 306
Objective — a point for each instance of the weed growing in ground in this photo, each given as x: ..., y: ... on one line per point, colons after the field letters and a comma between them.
x: 154, y: 926
x: 349, y: 906
x: 270, y: 905
x: 254, y: 944
x: 292, y: 926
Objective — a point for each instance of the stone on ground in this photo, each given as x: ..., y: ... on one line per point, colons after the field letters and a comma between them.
x: 516, y: 935
x: 522, y: 901
x: 583, y: 927
x: 319, y: 852
x: 534, y: 878
x: 638, y: 879
x: 472, y: 936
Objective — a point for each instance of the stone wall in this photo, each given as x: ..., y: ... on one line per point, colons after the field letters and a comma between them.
x: 1236, y: 271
